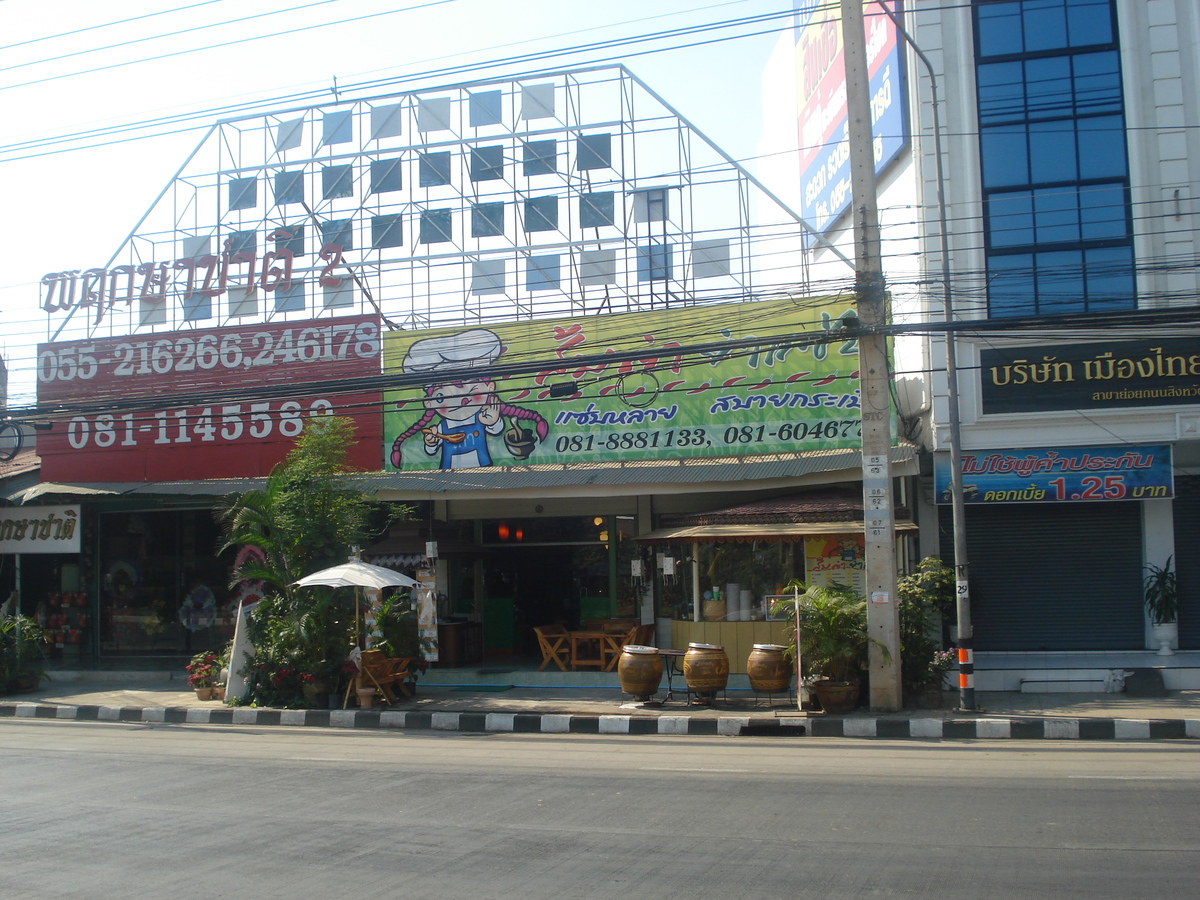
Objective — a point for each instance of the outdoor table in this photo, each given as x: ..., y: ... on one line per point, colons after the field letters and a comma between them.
x: 671, y: 667
x: 581, y: 646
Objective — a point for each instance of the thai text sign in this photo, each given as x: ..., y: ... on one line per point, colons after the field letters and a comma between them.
x: 198, y: 438
x: 1121, y: 472
x: 821, y: 96
x: 39, y: 529
x: 771, y: 390
x: 1162, y: 372
x: 190, y: 279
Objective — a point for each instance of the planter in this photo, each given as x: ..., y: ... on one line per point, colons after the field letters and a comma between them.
x: 768, y: 669
x: 219, y: 693
x: 316, y: 693
x: 366, y: 697
x: 705, y: 669
x: 640, y: 670
x: 203, y: 693
x: 1165, y: 636
x: 836, y: 697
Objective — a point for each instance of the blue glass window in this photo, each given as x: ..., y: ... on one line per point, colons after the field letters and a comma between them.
x: 654, y: 262
x: 338, y: 231
x: 541, y: 157
x: 289, y: 187
x: 434, y: 168
x: 487, y: 163
x: 542, y: 272
x: 596, y: 209
x: 593, y: 151
x: 387, y: 231
x: 436, y: 226
x: 243, y: 193
x: 487, y: 219
x: 485, y: 108
x: 290, y: 237
x: 385, y: 176
x: 1053, y: 160
x: 541, y: 214
x: 337, y: 181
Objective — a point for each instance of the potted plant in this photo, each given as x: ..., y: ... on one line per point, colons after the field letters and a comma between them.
x: 20, y: 654
x: 926, y: 598
x: 204, y: 673
x: 834, y: 642
x: 1160, y: 592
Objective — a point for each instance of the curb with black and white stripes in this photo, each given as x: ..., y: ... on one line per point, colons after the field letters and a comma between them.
x: 1086, y: 729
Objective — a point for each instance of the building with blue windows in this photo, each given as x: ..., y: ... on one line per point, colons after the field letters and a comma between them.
x: 1070, y: 150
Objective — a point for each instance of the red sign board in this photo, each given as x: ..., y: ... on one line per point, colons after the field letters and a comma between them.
x: 197, y: 438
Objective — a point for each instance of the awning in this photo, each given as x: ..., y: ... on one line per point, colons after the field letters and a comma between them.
x: 786, y: 531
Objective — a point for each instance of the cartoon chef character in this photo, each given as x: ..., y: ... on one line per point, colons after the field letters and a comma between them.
x: 463, y: 409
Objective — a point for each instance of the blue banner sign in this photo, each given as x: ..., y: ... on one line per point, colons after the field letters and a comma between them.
x: 1081, y: 474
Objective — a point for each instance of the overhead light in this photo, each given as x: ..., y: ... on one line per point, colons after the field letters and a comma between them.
x: 502, y: 531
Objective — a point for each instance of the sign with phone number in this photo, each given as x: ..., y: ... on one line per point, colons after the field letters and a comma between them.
x: 1072, y: 474
x: 773, y: 390
x: 195, y: 442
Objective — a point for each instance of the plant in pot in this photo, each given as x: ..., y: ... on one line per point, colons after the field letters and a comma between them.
x: 834, y: 642
x: 204, y: 673
x: 1160, y: 590
x: 21, y: 654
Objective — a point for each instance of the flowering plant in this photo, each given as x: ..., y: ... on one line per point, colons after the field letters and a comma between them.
x: 941, y: 663
x: 204, y: 670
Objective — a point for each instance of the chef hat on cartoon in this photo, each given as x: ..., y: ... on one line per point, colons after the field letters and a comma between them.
x: 474, y: 349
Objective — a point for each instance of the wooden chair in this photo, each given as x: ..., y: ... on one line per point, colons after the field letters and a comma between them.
x: 386, y: 675
x: 640, y: 635
x: 555, y: 644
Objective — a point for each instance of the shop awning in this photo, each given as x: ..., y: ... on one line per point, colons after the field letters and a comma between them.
x: 786, y: 531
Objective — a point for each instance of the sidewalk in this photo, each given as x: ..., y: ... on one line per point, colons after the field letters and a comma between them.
x: 163, y: 697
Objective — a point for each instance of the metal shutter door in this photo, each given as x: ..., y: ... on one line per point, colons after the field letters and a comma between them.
x: 1054, y: 576
x: 1187, y: 559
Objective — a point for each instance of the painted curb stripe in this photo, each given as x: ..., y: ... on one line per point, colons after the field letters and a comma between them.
x: 1084, y: 729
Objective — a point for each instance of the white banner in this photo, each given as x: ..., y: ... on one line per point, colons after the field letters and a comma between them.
x: 39, y: 529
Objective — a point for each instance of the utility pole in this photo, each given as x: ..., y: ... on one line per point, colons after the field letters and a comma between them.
x: 883, y: 613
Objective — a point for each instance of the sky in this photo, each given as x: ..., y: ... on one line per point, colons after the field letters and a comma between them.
x: 71, y: 198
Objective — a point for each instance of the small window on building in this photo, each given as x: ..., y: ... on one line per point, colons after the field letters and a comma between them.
x: 434, y: 168
x: 337, y: 182
x: 387, y: 231
x: 243, y: 193
x: 537, y: 101
x: 541, y: 214
x: 243, y: 242
x: 596, y: 210
x: 597, y: 267
x: 385, y: 176
x: 385, y: 121
x: 593, y: 151
x: 289, y: 188
x: 487, y: 163
x: 487, y: 219
x: 650, y: 205
x: 337, y: 127
x: 339, y: 296
x: 710, y: 259
x: 487, y: 276
x: 436, y: 226
x: 290, y: 237
x: 541, y: 158
x: 542, y: 272
x: 484, y: 108
x: 338, y: 231
x: 288, y: 135
x: 433, y: 114
x: 291, y: 300
x: 654, y: 262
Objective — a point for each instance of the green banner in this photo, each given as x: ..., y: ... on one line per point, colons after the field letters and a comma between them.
x: 732, y: 379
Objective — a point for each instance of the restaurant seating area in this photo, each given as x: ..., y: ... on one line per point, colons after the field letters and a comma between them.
x: 596, y: 644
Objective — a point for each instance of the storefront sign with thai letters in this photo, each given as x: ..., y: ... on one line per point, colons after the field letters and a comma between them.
x: 1106, y: 375
x: 39, y: 529
x: 772, y: 390
x: 1121, y: 472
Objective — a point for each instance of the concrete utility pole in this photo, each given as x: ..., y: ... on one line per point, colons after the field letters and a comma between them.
x: 883, y: 613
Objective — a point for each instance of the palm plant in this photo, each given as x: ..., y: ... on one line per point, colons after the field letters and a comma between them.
x: 834, y: 642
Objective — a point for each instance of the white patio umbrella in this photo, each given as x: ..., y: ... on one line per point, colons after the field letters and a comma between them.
x: 357, y: 573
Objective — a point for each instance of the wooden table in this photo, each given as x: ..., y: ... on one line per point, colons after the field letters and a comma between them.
x: 595, y: 648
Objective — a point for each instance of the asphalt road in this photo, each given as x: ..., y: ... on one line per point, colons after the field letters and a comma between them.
x: 122, y: 811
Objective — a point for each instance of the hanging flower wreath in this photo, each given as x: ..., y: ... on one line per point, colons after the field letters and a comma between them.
x: 122, y: 580
x: 249, y: 592
x: 199, y: 609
